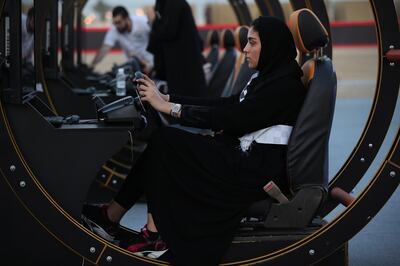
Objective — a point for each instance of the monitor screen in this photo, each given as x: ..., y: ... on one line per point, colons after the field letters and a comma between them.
x: 28, y: 46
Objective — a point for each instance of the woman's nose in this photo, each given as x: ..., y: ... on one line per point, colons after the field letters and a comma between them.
x: 245, y: 50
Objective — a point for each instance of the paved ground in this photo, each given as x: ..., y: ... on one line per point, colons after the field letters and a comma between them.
x: 378, y: 243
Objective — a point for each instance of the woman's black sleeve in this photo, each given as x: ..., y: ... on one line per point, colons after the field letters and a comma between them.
x: 254, y: 113
x: 203, y: 101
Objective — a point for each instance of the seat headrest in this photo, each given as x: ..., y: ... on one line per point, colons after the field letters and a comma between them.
x: 241, y: 37
x: 308, y: 32
x: 227, y: 39
x: 213, y: 38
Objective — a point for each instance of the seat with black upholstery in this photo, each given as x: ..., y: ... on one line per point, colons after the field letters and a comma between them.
x: 242, y: 73
x: 225, y: 66
x: 307, y: 157
x: 213, y: 42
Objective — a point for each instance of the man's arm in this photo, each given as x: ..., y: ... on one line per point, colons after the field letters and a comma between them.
x: 142, y: 60
x: 101, y: 53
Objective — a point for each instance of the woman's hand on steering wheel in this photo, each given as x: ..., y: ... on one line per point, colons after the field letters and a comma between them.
x: 148, y: 92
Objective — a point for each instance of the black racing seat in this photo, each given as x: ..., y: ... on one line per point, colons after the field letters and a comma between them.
x: 307, y: 158
x: 225, y: 66
x: 213, y: 42
x: 242, y: 73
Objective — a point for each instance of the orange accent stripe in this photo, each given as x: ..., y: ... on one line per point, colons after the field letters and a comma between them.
x: 355, y: 23
x: 393, y: 55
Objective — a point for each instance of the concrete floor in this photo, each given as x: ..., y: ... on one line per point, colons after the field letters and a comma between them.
x: 377, y: 244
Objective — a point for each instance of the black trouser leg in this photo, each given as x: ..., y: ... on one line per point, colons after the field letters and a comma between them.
x: 130, y: 192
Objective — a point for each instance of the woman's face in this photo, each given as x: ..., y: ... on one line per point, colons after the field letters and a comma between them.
x: 253, y: 48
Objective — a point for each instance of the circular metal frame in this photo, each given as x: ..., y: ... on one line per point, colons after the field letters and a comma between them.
x: 58, y: 223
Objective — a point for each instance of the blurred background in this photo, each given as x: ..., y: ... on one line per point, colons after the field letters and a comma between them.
x: 352, y: 27
x: 98, y: 12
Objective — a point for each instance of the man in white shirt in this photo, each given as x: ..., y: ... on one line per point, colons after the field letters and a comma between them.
x: 132, y: 34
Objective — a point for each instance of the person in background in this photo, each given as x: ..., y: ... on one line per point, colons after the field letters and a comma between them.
x: 27, y: 50
x: 27, y: 34
x: 132, y: 34
x: 176, y: 45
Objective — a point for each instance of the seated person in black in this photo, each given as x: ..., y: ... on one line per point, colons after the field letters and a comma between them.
x: 198, y: 187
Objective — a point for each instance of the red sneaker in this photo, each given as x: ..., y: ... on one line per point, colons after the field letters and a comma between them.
x: 147, y: 244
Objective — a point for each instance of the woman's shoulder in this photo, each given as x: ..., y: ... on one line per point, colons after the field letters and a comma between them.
x: 284, y: 86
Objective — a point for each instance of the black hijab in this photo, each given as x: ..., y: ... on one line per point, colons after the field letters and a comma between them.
x: 159, y: 6
x: 278, y: 50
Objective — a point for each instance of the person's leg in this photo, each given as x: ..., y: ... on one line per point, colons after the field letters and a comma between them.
x: 104, y: 219
x: 115, y: 212
x: 150, y: 223
x: 126, y: 197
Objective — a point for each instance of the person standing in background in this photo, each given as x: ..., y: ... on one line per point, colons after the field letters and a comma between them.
x: 132, y: 34
x: 176, y: 46
x: 27, y: 34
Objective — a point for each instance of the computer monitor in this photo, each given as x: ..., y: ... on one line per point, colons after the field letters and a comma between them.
x: 28, y: 75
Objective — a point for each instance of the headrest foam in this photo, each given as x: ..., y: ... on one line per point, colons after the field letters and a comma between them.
x: 228, y: 39
x: 213, y: 38
x: 308, y: 32
x: 241, y: 37
x: 308, y: 72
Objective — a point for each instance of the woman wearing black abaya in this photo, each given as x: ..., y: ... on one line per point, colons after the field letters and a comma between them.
x: 198, y: 187
x: 176, y: 46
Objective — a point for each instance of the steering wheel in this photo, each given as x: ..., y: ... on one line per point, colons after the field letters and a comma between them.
x: 138, y: 101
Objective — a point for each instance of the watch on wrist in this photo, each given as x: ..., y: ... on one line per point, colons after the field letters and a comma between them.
x: 176, y: 108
